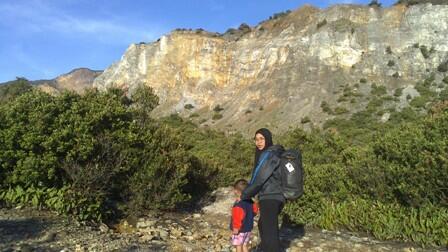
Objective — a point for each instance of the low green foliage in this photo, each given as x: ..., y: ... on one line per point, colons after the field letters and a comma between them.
x: 443, y: 67
x: 217, y: 116
x: 305, y: 119
x: 189, y: 106
x: 10, y: 90
x: 378, y: 90
x: 321, y: 23
x: 387, y: 184
x: 326, y: 107
x: 340, y: 110
x: 398, y: 92
x: 97, y: 148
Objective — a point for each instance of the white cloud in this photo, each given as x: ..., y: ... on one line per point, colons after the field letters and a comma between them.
x: 42, y: 17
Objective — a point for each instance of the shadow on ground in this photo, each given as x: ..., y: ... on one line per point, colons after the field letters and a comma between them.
x: 14, y: 231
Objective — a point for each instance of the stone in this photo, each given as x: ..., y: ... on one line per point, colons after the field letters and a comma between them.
x: 103, y: 228
x: 145, y: 223
x: 163, y: 234
x: 48, y: 236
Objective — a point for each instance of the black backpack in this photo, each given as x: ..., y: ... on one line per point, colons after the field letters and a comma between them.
x: 291, y: 171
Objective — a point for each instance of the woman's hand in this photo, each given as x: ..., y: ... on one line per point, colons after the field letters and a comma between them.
x: 235, y: 231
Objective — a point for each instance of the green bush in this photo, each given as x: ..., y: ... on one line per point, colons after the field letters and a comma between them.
x: 340, y: 110
x: 225, y: 158
x: 443, y: 95
x: 97, y: 148
x: 443, y: 67
x: 398, y: 92
x: 419, y: 101
x: 321, y: 23
x: 391, y: 63
x: 425, y: 52
x: 189, y: 106
x: 388, y: 50
x: 375, y: 3
x: 217, y: 116
x: 305, y: 119
x: 326, y: 107
x: 218, y: 108
x: 445, y: 80
x: 10, y: 90
x: 387, y: 185
x: 378, y: 90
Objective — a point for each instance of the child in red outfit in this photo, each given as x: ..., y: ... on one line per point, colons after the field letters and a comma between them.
x: 242, y: 222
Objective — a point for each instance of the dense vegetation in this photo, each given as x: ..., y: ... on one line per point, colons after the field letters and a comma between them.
x: 99, y: 155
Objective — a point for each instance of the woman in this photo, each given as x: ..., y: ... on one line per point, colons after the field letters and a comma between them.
x: 266, y: 183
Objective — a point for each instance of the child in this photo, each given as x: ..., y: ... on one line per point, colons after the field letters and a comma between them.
x: 242, y: 221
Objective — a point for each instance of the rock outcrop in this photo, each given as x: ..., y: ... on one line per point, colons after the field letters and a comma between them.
x: 278, y: 72
x: 76, y: 80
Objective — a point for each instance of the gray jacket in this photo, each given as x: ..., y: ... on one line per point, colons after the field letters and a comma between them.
x: 266, y: 179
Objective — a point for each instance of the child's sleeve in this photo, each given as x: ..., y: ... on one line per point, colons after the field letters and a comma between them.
x: 238, y: 215
x: 255, y: 208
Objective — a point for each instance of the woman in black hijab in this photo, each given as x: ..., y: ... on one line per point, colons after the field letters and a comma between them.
x: 266, y: 182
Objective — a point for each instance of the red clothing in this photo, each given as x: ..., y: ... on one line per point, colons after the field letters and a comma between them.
x: 238, y: 215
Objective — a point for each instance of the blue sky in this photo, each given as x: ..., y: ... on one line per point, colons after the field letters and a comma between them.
x: 41, y: 39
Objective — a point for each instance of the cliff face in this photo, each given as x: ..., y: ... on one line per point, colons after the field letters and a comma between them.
x: 280, y: 71
x: 77, y: 80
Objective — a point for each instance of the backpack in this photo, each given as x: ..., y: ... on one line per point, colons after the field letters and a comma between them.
x: 291, y: 171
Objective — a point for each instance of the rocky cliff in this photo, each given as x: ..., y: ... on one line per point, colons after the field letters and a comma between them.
x: 76, y: 80
x: 280, y: 71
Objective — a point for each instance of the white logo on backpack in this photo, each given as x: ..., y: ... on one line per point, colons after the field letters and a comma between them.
x: 290, y: 167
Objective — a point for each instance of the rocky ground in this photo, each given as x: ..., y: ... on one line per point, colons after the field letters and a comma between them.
x: 32, y: 230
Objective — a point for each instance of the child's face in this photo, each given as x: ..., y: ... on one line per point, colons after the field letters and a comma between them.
x: 237, y: 193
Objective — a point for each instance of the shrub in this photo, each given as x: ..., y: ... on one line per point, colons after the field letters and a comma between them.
x: 305, y: 119
x: 445, y: 80
x: 326, y: 107
x: 363, y: 80
x: 374, y: 104
x: 443, y: 67
x: 398, y: 92
x: 279, y: 14
x: 443, y: 95
x: 11, y: 90
x: 218, y: 108
x: 375, y: 3
x: 378, y: 90
x: 419, y: 101
x: 84, y: 151
x: 391, y: 63
x: 340, y: 110
x: 425, y: 52
x: 388, y: 50
x: 217, y: 116
x: 189, y: 106
x: 321, y: 23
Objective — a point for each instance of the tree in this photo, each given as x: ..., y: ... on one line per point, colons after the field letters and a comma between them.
x: 375, y: 3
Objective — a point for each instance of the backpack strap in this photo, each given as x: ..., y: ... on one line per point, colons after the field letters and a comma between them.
x: 257, y: 169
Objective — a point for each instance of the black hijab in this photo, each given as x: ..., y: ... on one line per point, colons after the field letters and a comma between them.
x: 268, y: 143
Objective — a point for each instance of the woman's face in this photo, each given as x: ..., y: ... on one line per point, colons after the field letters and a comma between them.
x: 260, y: 141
